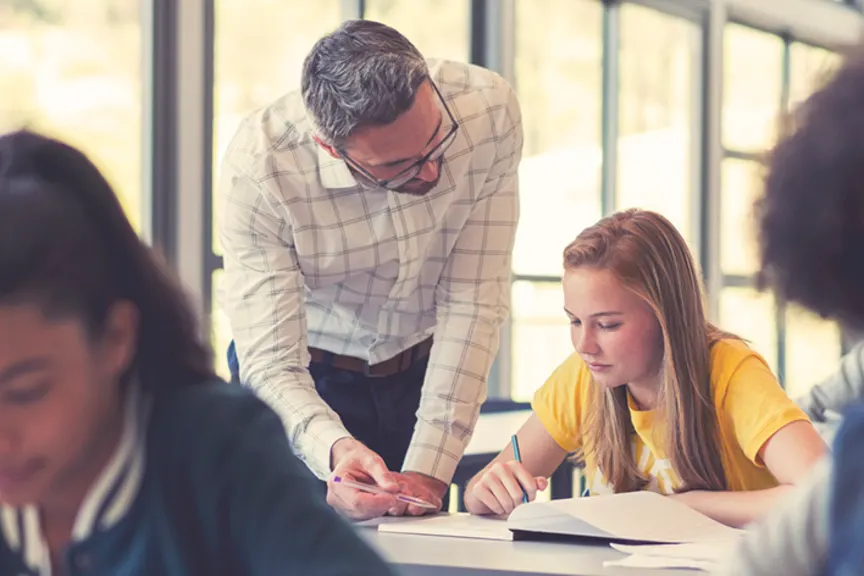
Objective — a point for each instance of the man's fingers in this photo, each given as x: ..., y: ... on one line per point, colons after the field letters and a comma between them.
x: 375, y: 467
x: 412, y: 510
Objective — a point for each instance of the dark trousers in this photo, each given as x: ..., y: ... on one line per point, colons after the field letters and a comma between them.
x: 381, y: 412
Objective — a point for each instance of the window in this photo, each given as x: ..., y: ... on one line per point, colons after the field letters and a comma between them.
x: 812, y: 345
x: 750, y: 315
x: 658, y: 102
x: 439, y: 28
x: 810, y: 68
x: 59, y: 78
x: 541, y: 335
x: 559, y: 83
x: 742, y: 185
x: 764, y: 78
x: 259, y: 48
x: 752, y: 88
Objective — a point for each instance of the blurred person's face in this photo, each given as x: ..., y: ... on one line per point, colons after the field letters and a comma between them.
x: 60, y: 403
x: 396, y: 151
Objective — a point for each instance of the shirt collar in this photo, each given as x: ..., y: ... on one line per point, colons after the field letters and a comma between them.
x: 334, y: 171
x: 107, y: 502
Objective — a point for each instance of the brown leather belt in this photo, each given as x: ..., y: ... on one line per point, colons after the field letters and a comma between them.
x: 389, y: 367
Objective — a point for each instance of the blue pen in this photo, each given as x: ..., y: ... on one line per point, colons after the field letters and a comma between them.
x: 515, y: 442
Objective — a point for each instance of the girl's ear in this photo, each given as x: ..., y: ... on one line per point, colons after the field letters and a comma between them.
x: 119, y: 338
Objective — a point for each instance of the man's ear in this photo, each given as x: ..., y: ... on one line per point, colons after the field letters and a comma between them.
x: 327, y: 147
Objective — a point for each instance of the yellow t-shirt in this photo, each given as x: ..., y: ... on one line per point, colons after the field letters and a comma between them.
x: 751, y: 406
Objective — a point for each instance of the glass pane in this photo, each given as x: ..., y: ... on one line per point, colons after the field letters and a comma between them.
x: 439, y: 28
x: 750, y: 314
x: 60, y: 78
x: 540, y: 336
x: 558, y: 78
x: 658, y: 142
x: 813, y: 348
x: 220, y: 328
x: 260, y: 46
x: 752, y: 88
x: 741, y: 186
x: 810, y: 68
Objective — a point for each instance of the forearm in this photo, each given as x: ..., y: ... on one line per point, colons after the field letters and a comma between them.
x: 312, y: 426
x: 736, y: 509
x: 453, y: 391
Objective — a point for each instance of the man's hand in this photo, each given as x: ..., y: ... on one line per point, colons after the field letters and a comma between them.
x: 352, y: 460
x: 420, y: 486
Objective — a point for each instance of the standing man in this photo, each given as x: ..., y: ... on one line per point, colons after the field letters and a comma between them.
x: 368, y: 224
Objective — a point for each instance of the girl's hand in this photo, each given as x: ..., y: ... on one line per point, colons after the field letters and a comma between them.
x: 500, y: 489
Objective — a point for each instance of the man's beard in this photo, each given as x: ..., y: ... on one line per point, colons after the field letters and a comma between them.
x: 421, y: 189
x: 417, y: 187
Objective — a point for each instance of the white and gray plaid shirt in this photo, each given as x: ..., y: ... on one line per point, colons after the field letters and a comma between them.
x: 311, y: 259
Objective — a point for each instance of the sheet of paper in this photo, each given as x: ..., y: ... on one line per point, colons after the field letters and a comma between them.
x: 375, y: 522
x: 635, y: 516
x: 459, y: 525
x: 660, y: 562
x: 700, y: 551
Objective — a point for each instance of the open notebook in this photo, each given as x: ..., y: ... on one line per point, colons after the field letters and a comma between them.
x: 635, y: 517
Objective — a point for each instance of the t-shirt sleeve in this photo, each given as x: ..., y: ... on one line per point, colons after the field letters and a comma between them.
x: 756, y: 405
x: 558, y: 403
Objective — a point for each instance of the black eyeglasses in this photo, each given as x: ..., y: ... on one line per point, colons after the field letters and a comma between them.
x: 413, y: 170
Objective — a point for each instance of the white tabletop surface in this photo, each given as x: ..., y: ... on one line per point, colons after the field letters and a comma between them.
x: 415, y: 555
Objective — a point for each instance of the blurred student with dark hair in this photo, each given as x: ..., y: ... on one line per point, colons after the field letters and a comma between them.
x: 120, y: 450
x: 811, y: 222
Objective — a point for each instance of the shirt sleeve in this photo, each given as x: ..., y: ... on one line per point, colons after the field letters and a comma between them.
x: 558, y: 404
x: 278, y: 521
x: 793, y: 539
x: 263, y: 299
x: 472, y: 299
x: 757, y: 406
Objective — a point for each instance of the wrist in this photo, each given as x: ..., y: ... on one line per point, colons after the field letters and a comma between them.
x: 341, y: 448
x: 431, y: 482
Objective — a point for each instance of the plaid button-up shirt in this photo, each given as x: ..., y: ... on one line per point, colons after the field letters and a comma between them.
x: 311, y: 259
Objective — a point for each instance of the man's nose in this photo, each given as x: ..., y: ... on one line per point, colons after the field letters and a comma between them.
x: 429, y: 171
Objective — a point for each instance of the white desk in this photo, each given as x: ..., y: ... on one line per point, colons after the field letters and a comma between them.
x: 440, y: 556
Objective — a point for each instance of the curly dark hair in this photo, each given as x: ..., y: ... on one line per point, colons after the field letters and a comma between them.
x: 811, y: 217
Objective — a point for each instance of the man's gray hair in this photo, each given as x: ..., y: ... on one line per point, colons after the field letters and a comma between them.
x: 363, y: 74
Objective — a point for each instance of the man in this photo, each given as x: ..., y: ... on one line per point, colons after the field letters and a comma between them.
x: 368, y: 226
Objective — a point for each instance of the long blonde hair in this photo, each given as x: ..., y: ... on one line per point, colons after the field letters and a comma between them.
x: 649, y: 257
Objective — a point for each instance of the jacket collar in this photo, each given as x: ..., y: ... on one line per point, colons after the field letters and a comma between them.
x: 107, y: 502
